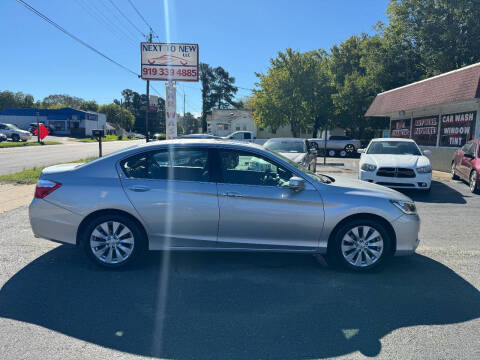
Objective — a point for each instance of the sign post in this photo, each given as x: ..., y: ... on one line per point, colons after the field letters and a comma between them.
x: 169, y: 62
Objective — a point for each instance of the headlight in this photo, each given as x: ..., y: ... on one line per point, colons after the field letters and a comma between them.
x: 369, y: 167
x: 407, y: 207
x: 424, y: 169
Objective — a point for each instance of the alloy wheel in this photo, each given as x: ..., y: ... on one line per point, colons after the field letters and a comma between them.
x: 343, y: 153
x: 350, y: 148
x: 112, y: 242
x: 331, y: 153
x: 473, y: 182
x: 362, y: 246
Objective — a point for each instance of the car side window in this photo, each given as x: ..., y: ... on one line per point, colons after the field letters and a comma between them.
x: 2, y: 127
x: 173, y: 164
x: 239, y: 167
x: 248, y: 136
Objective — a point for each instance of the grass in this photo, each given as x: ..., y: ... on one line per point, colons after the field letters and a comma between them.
x: 30, y: 176
x: 8, y: 144
x: 105, y: 138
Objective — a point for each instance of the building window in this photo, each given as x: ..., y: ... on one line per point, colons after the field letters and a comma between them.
x: 237, y: 128
x: 274, y: 131
x: 223, y: 127
x: 244, y: 127
x: 260, y: 129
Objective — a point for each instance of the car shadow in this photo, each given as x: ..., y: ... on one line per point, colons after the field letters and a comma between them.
x: 440, y: 193
x: 234, y: 305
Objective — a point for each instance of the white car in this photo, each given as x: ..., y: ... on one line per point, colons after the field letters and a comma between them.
x: 246, y: 136
x: 14, y: 133
x: 396, y: 163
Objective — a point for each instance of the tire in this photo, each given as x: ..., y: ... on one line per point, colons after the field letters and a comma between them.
x: 473, y: 183
x: 125, y: 245
x: 15, y: 138
x: 452, y: 172
x: 331, y: 153
x: 371, y: 248
x: 350, y: 149
x: 343, y: 153
x: 315, y: 145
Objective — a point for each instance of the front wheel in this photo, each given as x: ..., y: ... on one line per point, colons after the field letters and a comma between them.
x: 360, y: 245
x: 15, y: 138
x: 473, y: 183
x: 113, y: 240
x: 452, y: 172
x: 349, y: 149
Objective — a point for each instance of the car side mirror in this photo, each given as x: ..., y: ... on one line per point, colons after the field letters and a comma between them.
x: 427, y: 152
x: 360, y: 151
x: 313, y: 150
x: 296, y: 183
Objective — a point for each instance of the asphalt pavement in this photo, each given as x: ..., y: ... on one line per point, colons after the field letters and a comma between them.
x: 55, y: 304
x: 21, y: 158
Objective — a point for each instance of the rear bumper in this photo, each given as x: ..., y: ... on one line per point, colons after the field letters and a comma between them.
x: 420, y: 181
x: 53, y: 222
x: 406, y: 229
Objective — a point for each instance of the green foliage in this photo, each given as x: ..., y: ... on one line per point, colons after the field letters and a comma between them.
x: 118, y: 115
x: 10, y: 99
x: 217, y: 90
x: 25, y: 143
x: 89, y: 105
x: 188, y: 124
x: 296, y: 91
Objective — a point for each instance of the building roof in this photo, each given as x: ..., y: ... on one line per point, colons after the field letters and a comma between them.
x: 43, y: 112
x: 453, y: 86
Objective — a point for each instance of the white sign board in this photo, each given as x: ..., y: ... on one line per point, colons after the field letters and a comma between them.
x: 153, y: 103
x: 171, y: 110
x: 169, y: 61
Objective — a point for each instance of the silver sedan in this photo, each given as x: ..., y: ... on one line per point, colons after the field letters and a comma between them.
x: 218, y: 195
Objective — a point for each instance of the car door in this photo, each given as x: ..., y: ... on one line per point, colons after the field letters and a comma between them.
x: 459, y: 160
x: 467, y: 159
x: 257, y: 208
x: 172, y: 191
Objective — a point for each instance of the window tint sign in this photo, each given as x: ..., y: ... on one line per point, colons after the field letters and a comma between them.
x: 400, y: 128
x: 425, y: 130
x: 457, y: 129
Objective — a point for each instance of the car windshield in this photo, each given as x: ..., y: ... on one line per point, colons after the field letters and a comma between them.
x: 12, y: 127
x: 316, y: 177
x: 393, y: 148
x: 286, y: 146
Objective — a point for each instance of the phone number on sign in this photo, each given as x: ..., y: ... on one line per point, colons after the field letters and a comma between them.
x: 174, y: 73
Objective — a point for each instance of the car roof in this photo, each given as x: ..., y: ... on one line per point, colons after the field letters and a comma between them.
x: 393, y: 139
x: 203, y: 142
x: 287, y: 139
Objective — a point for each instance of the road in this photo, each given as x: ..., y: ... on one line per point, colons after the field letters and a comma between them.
x: 55, y: 304
x: 20, y: 158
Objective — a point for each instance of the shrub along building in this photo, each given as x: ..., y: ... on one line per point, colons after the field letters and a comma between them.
x: 439, y: 113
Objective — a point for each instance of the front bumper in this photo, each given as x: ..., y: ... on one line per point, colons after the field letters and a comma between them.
x: 420, y: 181
x: 406, y: 229
x: 53, y: 222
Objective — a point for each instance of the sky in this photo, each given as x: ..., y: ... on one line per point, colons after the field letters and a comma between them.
x: 239, y: 35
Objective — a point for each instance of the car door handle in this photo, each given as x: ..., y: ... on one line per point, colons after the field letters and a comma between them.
x: 232, y: 194
x: 138, y: 188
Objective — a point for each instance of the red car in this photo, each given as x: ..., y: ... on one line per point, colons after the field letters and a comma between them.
x: 466, y: 165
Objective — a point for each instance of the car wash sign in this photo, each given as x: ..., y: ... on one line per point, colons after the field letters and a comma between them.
x: 457, y: 129
x: 169, y: 61
x: 171, y: 110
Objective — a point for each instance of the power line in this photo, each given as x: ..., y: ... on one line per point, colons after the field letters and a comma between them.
x: 126, y: 18
x: 141, y: 16
x: 53, y: 23
x: 118, y: 24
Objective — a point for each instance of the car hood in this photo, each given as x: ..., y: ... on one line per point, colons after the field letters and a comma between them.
x: 295, y: 157
x: 401, y: 161
x: 363, y: 188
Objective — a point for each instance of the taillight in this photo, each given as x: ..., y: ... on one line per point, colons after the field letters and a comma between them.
x: 45, y: 187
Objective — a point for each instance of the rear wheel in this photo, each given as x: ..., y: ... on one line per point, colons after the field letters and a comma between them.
x: 452, y: 171
x: 474, y: 188
x: 360, y: 245
x: 113, y: 240
x: 331, y: 153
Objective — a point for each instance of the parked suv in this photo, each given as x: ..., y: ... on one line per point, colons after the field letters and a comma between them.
x: 343, y: 145
x: 466, y: 165
x: 14, y: 133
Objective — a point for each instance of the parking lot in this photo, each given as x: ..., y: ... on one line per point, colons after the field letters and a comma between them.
x: 55, y: 304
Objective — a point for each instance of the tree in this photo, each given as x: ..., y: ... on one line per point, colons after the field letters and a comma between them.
x: 89, y: 105
x: 117, y: 115
x: 444, y: 34
x: 188, y: 124
x: 293, y: 92
x: 62, y: 99
x: 207, y: 78
x: 9, y: 99
x: 223, y: 89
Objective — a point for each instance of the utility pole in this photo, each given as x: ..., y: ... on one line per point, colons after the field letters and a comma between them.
x: 184, y: 105
x: 148, y: 98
